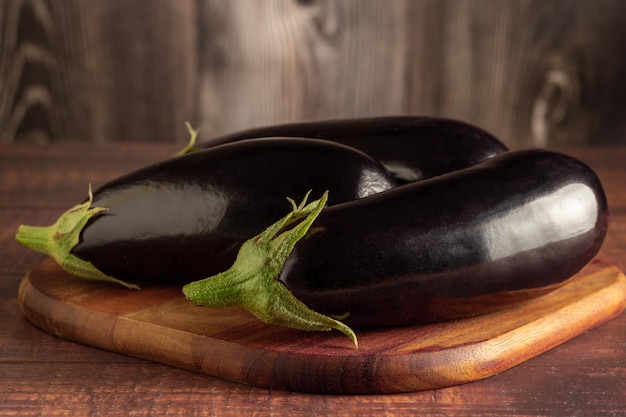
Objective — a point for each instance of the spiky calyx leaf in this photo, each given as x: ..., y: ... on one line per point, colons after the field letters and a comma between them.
x: 252, y: 281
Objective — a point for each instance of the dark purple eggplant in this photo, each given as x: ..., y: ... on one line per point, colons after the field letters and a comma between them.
x: 185, y: 218
x: 410, y: 147
x: 458, y: 245
x: 462, y: 244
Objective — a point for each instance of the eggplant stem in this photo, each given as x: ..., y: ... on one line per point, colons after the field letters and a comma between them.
x: 58, y: 240
x: 251, y: 282
x: 191, y: 145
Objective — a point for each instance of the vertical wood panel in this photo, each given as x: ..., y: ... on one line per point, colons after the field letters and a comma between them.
x: 278, y: 61
x: 534, y: 72
x: 96, y: 70
x: 147, y: 64
x: 26, y: 64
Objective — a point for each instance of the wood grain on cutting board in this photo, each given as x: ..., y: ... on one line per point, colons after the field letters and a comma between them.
x: 159, y: 324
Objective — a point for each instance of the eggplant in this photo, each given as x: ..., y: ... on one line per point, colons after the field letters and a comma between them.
x: 412, y: 148
x: 183, y: 219
x: 458, y: 245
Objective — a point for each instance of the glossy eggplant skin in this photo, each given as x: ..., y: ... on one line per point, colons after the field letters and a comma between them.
x: 458, y: 245
x: 412, y: 148
x: 184, y: 219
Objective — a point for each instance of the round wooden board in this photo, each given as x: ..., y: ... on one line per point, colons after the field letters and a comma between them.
x: 159, y: 324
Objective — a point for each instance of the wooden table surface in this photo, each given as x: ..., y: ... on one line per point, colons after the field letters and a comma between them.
x: 44, y: 375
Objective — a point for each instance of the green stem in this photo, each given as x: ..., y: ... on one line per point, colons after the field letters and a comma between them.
x: 191, y: 145
x: 252, y: 281
x: 58, y: 239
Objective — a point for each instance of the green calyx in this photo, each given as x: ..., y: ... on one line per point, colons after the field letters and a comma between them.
x: 252, y: 281
x: 58, y: 240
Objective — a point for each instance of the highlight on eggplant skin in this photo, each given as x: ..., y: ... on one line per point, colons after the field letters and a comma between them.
x: 458, y: 245
x: 412, y: 148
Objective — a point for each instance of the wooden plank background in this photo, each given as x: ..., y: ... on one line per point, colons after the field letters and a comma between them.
x: 533, y: 72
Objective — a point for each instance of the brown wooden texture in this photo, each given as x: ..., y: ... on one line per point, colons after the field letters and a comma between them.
x: 45, y: 375
x: 159, y: 324
x: 534, y: 72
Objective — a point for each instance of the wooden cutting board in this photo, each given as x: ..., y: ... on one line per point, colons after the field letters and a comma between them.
x: 158, y: 324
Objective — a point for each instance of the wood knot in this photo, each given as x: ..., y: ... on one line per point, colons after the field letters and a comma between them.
x: 558, y: 95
